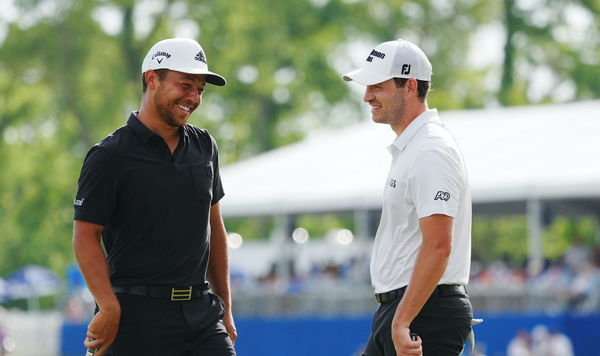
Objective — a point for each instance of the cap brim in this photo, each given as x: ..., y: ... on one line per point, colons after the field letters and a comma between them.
x: 212, y: 78
x: 366, y: 77
x: 215, y: 79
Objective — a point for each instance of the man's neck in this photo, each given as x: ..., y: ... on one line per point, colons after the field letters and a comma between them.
x: 151, y: 119
x: 409, y: 117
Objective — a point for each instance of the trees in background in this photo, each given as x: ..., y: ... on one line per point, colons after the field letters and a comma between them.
x: 551, y: 51
x: 70, y: 74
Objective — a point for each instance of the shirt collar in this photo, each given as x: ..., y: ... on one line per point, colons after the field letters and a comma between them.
x: 402, y: 141
x: 144, y: 133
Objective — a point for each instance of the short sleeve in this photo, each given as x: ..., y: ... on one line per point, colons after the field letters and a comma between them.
x: 217, y: 188
x: 97, y: 188
x: 436, y: 181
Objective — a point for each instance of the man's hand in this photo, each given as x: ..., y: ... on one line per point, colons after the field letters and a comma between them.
x: 103, y: 328
x: 230, y: 326
x: 404, y: 345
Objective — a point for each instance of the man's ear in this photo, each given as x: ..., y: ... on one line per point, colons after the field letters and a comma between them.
x: 151, y: 79
x: 411, y: 86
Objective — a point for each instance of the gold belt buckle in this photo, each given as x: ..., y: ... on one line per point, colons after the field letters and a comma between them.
x: 181, y: 294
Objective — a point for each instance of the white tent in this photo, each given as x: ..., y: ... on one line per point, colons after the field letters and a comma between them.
x: 522, y: 158
x: 513, y: 154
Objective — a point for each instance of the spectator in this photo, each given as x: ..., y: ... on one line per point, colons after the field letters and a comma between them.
x: 560, y: 344
x: 555, y: 277
x: 596, y: 254
x: 520, y: 345
x: 7, y: 342
x: 584, y: 286
x: 578, y: 254
x: 540, y: 341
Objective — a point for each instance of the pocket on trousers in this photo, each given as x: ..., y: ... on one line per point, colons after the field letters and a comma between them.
x: 454, y: 307
x: 219, y: 304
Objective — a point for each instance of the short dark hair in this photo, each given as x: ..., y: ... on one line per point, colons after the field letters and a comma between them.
x: 422, y: 86
x: 161, y: 73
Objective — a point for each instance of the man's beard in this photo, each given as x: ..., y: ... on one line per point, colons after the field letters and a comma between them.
x: 393, y: 115
x: 168, y: 117
x: 165, y: 113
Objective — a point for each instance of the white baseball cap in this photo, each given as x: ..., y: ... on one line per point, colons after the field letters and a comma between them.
x: 393, y: 59
x: 182, y: 55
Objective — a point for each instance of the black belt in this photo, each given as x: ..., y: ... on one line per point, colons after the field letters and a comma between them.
x: 174, y: 294
x: 442, y: 289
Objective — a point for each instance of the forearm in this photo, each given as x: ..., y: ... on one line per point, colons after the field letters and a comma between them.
x: 218, y: 265
x: 93, y: 265
x: 430, y: 265
x: 218, y: 271
x: 429, y: 268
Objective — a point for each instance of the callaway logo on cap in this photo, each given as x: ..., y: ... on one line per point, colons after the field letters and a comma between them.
x: 182, y: 55
x: 393, y: 59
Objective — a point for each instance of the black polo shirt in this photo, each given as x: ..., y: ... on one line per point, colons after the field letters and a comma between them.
x: 154, y: 205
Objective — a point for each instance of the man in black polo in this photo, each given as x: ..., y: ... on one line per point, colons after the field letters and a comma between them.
x: 150, y: 192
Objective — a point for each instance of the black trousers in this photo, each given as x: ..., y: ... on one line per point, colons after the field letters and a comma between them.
x: 159, y: 327
x: 443, y: 324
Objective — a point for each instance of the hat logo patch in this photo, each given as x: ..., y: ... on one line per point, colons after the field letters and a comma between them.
x: 161, y: 54
x: 405, y: 69
x: 200, y: 57
x: 375, y: 53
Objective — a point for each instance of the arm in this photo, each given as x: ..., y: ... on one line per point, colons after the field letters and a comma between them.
x: 93, y: 265
x: 218, y: 267
x: 430, y: 265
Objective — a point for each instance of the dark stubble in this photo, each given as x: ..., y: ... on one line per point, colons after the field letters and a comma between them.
x: 163, y: 110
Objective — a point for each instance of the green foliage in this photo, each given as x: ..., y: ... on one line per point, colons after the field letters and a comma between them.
x: 49, y: 302
x: 560, y: 37
x: 506, y: 237
x: 496, y: 237
x: 35, y: 213
x: 319, y: 225
x: 255, y: 228
x: 564, y: 232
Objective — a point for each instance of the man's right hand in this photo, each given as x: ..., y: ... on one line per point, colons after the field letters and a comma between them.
x: 103, y: 328
x: 404, y: 344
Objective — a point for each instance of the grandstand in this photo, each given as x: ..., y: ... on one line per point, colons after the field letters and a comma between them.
x: 534, y: 160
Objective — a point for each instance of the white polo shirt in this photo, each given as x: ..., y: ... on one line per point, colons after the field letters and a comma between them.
x: 427, y: 176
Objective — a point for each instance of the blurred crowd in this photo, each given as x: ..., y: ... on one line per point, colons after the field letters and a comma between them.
x: 571, y: 282
x: 326, y: 275
x: 573, y: 278
x: 540, y: 342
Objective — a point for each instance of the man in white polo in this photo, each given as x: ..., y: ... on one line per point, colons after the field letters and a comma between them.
x: 422, y: 250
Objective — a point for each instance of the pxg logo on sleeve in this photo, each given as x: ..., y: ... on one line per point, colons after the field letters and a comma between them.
x: 440, y: 195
